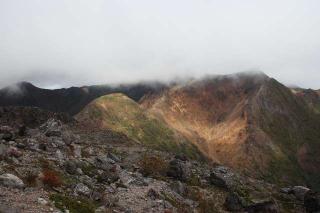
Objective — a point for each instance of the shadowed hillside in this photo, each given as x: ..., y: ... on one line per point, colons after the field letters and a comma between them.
x: 312, y: 97
x: 71, y: 100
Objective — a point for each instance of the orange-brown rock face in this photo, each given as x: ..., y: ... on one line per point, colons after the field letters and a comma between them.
x: 239, y: 121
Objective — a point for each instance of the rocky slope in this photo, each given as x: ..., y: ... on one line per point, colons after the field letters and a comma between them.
x: 249, y: 122
x: 70, y: 100
x: 58, y: 166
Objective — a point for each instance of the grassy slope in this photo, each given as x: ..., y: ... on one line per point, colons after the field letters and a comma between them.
x: 121, y: 114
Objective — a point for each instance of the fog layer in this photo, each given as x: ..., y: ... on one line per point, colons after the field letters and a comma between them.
x: 75, y: 42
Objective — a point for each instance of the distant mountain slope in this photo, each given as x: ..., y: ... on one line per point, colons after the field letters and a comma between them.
x: 70, y: 100
x: 121, y: 114
x: 29, y: 116
x: 247, y: 121
x: 312, y: 97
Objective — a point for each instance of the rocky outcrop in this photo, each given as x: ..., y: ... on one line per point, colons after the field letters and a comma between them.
x: 300, y: 192
x: 179, y: 170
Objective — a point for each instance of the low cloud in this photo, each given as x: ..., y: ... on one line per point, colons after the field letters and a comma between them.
x: 77, y: 42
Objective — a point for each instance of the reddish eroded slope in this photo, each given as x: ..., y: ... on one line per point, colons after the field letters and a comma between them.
x: 247, y: 121
x: 213, y: 113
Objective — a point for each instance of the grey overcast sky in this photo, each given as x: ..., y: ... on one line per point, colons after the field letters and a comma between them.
x: 56, y: 43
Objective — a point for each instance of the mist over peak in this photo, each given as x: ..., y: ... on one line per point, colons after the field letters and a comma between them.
x: 71, y: 43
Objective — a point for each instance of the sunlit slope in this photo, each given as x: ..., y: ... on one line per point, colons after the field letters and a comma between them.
x: 122, y: 114
x: 247, y: 121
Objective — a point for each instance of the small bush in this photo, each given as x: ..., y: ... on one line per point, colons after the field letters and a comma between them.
x: 152, y: 165
x: 88, y: 169
x: 51, y: 178
x: 206, y: 203
x: 194, y: 180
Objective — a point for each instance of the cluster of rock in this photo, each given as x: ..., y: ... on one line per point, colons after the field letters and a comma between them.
x: 87, y: 173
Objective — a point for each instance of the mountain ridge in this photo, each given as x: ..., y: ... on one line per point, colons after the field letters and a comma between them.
x: 236, y: 121
x: 247, y: 121
x: 68, y: 100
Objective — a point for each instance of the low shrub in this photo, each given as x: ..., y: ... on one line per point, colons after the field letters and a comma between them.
x: 79, y: 205
x: 51, y: 178
x: 153, y: 165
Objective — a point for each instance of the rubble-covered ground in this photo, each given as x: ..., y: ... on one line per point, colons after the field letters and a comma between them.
x: 64, y: 167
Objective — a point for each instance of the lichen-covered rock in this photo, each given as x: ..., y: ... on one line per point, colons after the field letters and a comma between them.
x: 223, y: 177
x: 114, y: 157
x: 10, y: 180
x: 82, y: 189
x: 104, y: 163
x: 52, y: 128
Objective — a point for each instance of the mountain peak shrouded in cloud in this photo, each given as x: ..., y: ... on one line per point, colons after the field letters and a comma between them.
x: 63, y: 43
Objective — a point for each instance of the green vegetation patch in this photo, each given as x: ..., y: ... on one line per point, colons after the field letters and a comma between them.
x: 121, y: 114
x: 74, y: 205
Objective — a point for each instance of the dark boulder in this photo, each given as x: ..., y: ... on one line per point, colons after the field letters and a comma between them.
x: 7, y: 136
x: 233, y: 202
x: 299, y: 192
x: 22, y: 130
x: 53, y: 133
x: 108, y: 177
x: 104, y: 163
x: 6, y: 133
x: 71, y: 167
x: 263, y: 207
x: 43, y: 146
x: 312, y: 201
x: 222, y: 177
x: 178, y: 170
x: 181, y: 157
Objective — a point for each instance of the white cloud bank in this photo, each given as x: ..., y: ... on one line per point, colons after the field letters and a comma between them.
x: 75, y: 42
